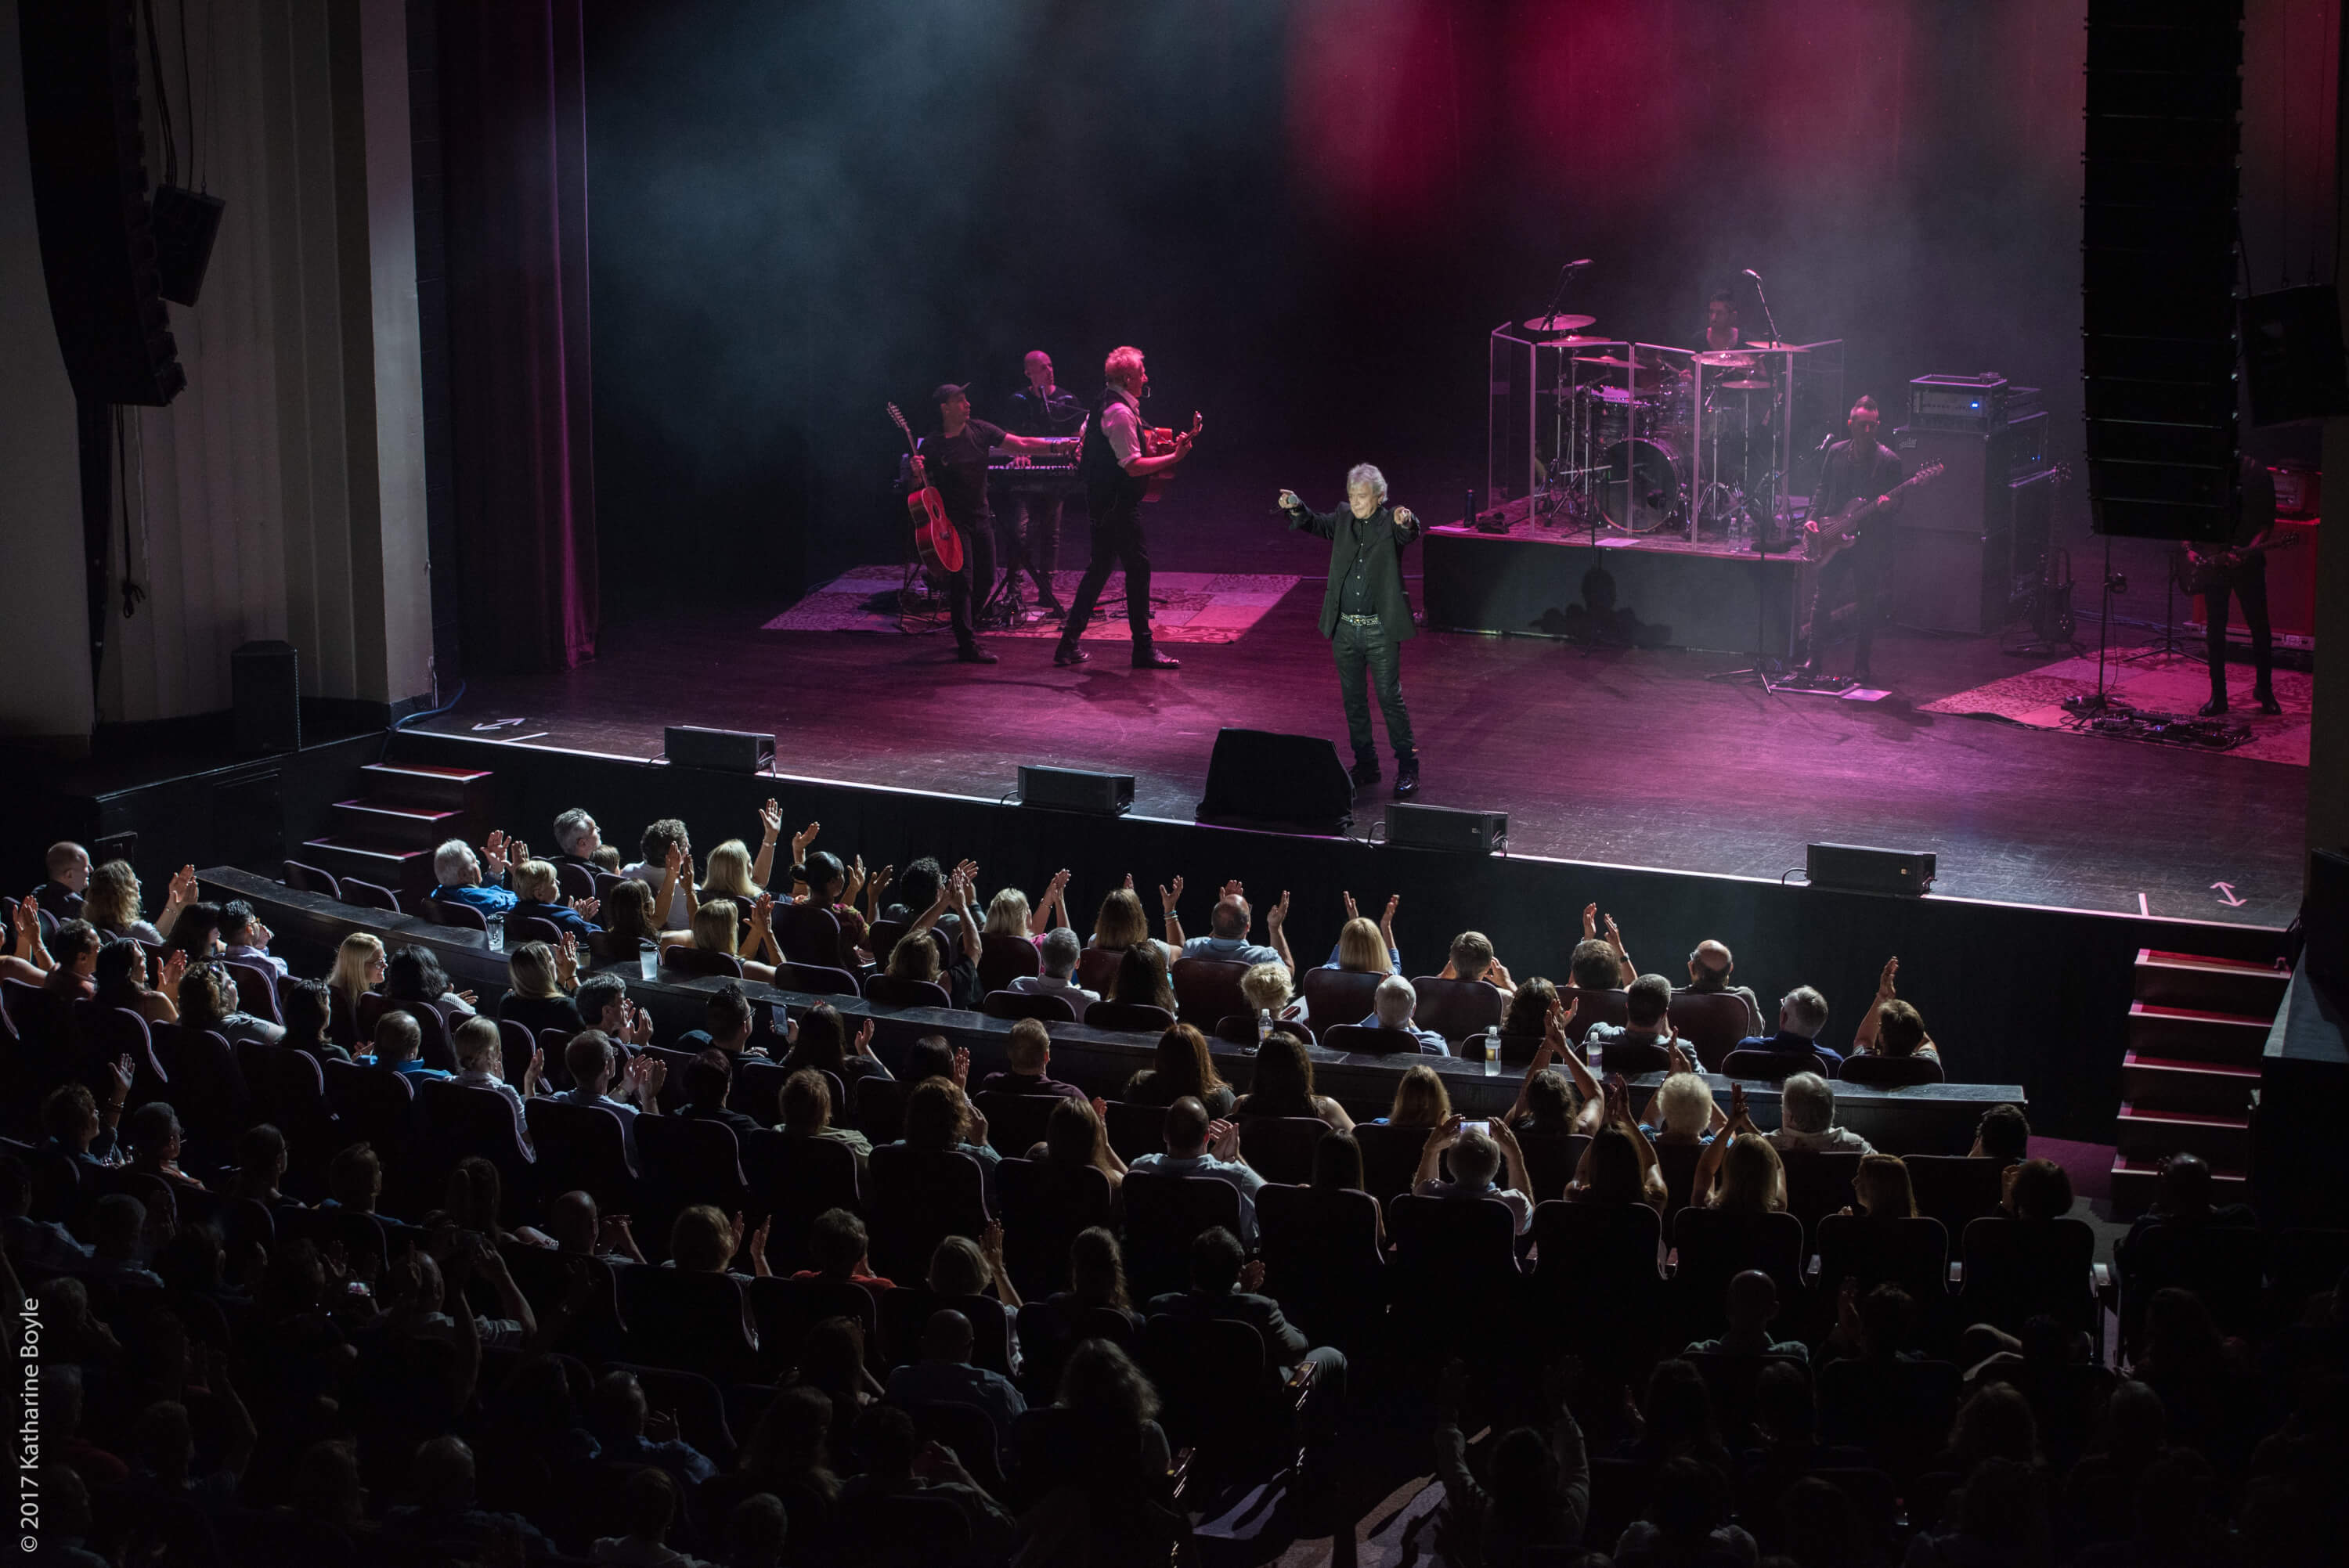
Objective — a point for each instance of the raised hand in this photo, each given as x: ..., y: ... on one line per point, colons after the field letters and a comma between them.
x: 1884, y: 987
x: 763, y: 912
x: 855, y: 883
x: 864, y: 1039
x: 1252, y: 1276
x: 1590, y: 920
x: 1614, y: 936
x: 1101, y: 1111
x: 1351, y: 913
x: 674, y: 863
x: 1386, y: 920
x: 1129, y: 882
x: 175, y: 967
x: 586, y: 908
x: 535, y: 1072
x: 770, y: 820
x: 1676, y: 1057
x: 123, y: 1072
x: 183, y: 885
x: 493, y: 851
x: 802, y: 839
x: 1276, y: 914
x: 962, y: 1068
x: 1167, y: 897
x: 1737, y: 1106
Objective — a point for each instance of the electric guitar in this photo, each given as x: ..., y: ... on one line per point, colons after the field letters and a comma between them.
x: 936, y: 539
x: 2196, y: 571
x: 1824, y: 540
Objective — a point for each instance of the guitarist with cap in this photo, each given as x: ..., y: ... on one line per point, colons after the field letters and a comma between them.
x: 1861, y: 467
x: 2239, y: 568
x: 954, y: 461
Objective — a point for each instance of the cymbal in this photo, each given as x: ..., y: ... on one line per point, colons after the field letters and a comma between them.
x: 1559, y: 323
x: 1612, y: 362
x: 1775, y: 347
x: 1742, y: 386
x: 1717, y: 357
x: 1574, y: 340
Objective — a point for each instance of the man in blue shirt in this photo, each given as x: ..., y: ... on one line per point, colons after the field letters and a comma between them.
x: 460, y: 874
x: 1198, y: 1147
x: 399, y: 1040
x: 1801, y: 1015
x: 944, y: 1376
x: 1392, y: 1005
x: 1229, y: 926
x: 592, y: 1064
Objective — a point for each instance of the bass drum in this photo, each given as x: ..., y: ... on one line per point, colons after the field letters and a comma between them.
x: 1646, y: 485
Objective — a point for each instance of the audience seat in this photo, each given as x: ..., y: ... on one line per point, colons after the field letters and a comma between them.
x: 514, y: 1048
x: 679, y: 959
x: 1322, y: 1262
x: 1356, y: 1040
x: 888, y: 990
x: 1593, y: 1007
x: 1713, y: 1247
x: 2224, y: 1264
x: 969, y: 1431
x: 818, y: 980
x: 1390, y: 1157
x: 1898, y: 1411
x: 597, y: 1333
x: 1551, y: 1161
x: 1457, y: 1008
x: 880, y: 1108
x: 371, y: 896
x: 1890, y: 1072
x: 697, y: 1322
x: 808, y: 934
x: 906, y: 1312
x: 1339, y: 995
x: 1015, y: 1122
x: 1020, y: 1005
x: 1710, y: 1023
x: 449, y: 911
x: 2017, y: 1269
x: 1955, y: 1188
x: 1044, y: 1206
x: 685, y: 1161
x: 1097, y: 968
x: 521, y: 928
x: 582, y: 1147
x: 1595, y: 1277
x: 577, y: 880
x: 118, y: 1032
x: 900, y: 1529
x: 1911, y: 1253
x: 1136, y: 1130
x: 794, y: 1180
x: 1455, y: 1263
x: 1137, y: 1016
x: 1818, y: 1183
x: 757, y: 1090
x: 256, y: 989
x: 1163, y: 1215
x: 304, y: 878
x: 1518, y: 1050
x: 697, y: 1404
x: 1630, y: 1058
x: 1772, y: 1067
x: 1003, y: 959
x: 914, y: 1199
x: 205, y: 1087
x: 289, y: 1091
x: 461, y: 1119
x: 1208, y: 990
x: 786, y: 1309
x: 1280, y: 1148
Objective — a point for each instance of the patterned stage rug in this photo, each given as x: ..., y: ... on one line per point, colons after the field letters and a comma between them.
x: 2159, y: 683
x: 1184, y: 606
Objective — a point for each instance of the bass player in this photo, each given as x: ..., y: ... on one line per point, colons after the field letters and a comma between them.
x: 2239, y: 568
x: 1857, y: 466
x: 954, y: 460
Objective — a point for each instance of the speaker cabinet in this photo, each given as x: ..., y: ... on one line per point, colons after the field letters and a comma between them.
x: 1953, y: 546
x: 1444, y: 828
x: 265, y: 685
x: 1074, y: 789
x: 1856, y: 868
x: 1291, y: 783
x: 721, y: 751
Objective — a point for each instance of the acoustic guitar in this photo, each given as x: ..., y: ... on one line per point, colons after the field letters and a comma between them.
x: 936, y: 539
x: 1157, y: 442
x: 1824, y: 540
x: 2198, y: 572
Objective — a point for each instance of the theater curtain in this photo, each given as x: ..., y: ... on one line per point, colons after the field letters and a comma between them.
x: 513, y: 124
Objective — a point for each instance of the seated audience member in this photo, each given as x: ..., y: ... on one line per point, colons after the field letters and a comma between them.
x: 944, y: 1376
x: 110, y: 902
x: 1057, y: 951
x: 916, y: 886
x: 1682, y: 1110
x: 360, y: 966
x: 2037, y: 1190
x: 1366, y: 946
x: 730, y: 872
x: 73, y: 958
x: 355, y: 1179
x: 1475, y: 1155
x: 119, y: 976
x: 1881, y: 1190
x: 538, y: 892
x: 1338, y: 1168
x: 1271, y: 988
x: 2003, y: 1134
x: 581, y: 1231
x: 823, y: 1042
x: 1686, y: 1521
x: 1183, y: 1066
x: 1620, y: 1165
x: 117, y: 1231
x: 935, y: 1056
x: 709, y: 1078
x: 594, y: 1066
x: 1806, y: 1123
x: 1740, y: 1171
x: 474, y: 1199
x: 414, y: 975
x: 1472, y: 959
x: 1801, y: 1015
x: 78, y: 1127
x: 28, y: 959
x: 1532, y: 1501
x: 67, y: 867
x: 717, y: 928
x: 841, y: 1250
x: 1196, y: 1145
x: 1891, y: 1028
x: 36, y: 1248
x: 447, y: 1517
x: 668, y: 863
x: 629, y: 921
x: 208, y: 1000
x: 261, y: 1164
x: 309, y: 1009
x: 1096, y: 1282
x: 1029, y: 1048
x: 482, y: 1064
x: 702, y: 1240
x: 1753, y: 1303
x: 938, y: 1117
x: 1075, y: 1135
x: 1641, y: 1044
x: 155, y: 1136
x: 245, y: 939
x: 727, y: 1019
x: 603, y: 1003
x: 804, y: 1103
x: 399, y: 1042
x: 1142, y: 979
x: 1284, y: 1085
x: 916, y: 956
x: 1550, y: 1102
x: 577, y: 839
x: 2183, y: 1203
x: 1122, y: 924
x: 1583, y: 963
x: 896, y: 1463
x: 833, y: 886
x: 457, y: 872
x: 197, y: 933
x: 964, y: 1270
x: 1224, y: 1289
x: 1227, y: 931
x: 1007, y: 914
x: 649, y: 1502
x: 1711, y: 969
x: 1999, y: 1516
x: 1420, y: 1100
x: 1392, y: 1006
x: 619, y: 1418
x: 1525, y: 1016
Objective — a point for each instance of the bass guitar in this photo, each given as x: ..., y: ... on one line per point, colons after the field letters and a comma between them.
x: 936, y: 539
x: 1823, y: 541
x: 2199, y: 572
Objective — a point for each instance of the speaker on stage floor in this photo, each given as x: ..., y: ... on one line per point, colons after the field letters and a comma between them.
x: 1075, y: 789
x: 1291, y: 783
x: 1446, y: 827
x: 723, y: 750
x: 1856, y: 868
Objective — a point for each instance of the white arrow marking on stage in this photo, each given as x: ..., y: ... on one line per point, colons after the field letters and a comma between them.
x: 2227, y: 895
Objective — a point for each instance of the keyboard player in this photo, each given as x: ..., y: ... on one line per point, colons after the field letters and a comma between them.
x: 1027, y: 530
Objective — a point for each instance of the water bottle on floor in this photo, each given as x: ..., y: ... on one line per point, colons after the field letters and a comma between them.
x: 1493, y: 1050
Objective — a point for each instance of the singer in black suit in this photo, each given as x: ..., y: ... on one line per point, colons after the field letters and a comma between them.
x: 1366, y: 615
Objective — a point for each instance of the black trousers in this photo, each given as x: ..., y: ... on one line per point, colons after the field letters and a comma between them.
x: 1028, y: 537
x: 1117, y: 542
x: 1858, y: 574
x: 2250, y: 589
x: 971, y: 585
x: 1368, y: 650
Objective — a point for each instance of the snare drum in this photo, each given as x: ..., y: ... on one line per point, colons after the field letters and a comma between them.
x: 1646, y: 485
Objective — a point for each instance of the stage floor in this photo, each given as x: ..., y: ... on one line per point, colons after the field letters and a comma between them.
x: 1614, y: 755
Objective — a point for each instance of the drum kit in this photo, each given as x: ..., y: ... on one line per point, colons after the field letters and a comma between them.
x: 1652, y: 439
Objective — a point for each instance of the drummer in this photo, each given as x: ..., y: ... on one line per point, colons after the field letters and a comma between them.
x: 1721, y: 329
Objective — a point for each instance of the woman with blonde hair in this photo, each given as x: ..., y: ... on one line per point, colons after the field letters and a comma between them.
x: 1007, y: 915
x: 1266, y: 988
x: 1682, y: 1109
x: 1420, y: 1100
x: 539, y: 990
x: 359, y: 964
x: 717, y: 928
x: 728, y: 873
x: 111, y: 903
x: 1739, y: 1171
x: 1361, y: 950
x: 1883, y: 1189
x: 704, y: 1241
x: 538, y: 894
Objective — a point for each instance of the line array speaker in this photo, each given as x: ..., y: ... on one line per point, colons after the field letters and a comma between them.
x: 90, y: 195
x: 1446, y: 827
x: 723, y: 750
x: 2158, y: 318
x: 1074, y: 789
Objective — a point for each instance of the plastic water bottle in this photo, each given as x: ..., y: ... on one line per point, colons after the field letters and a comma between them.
x: 1492, y: 1050
x: 649, y: 959
x: 1590, y: 1049
x: 1263, y: 1026
x: 497, y: 925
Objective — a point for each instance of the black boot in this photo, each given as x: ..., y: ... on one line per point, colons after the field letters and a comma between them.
x: 2266, y: 698
x: 1147, y: 658
x: 2214, y: 707
x: 1406, y: 777
x: 1067, y: 654
x: 972, y: 654
x: 1365, y: 770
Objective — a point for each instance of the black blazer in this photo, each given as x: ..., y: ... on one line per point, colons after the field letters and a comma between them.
x: 1379, y: 542
x: 1284, y: 1346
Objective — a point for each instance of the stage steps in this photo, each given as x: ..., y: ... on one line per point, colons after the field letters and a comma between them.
x: 403, y: 813
x: 2196, y: 1027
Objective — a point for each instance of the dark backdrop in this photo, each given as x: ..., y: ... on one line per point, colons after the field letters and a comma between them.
x: 1309, y: 215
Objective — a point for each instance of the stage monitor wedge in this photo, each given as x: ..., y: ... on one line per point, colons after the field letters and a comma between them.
x: 721, y: 751
x: 1857, y: 868
x: 1075, y: 789
x: 1281, y: 783
x: 1447, y: 827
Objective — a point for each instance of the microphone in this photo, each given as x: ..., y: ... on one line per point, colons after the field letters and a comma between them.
x: 1825, y: 442
x: 1750, y: 272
